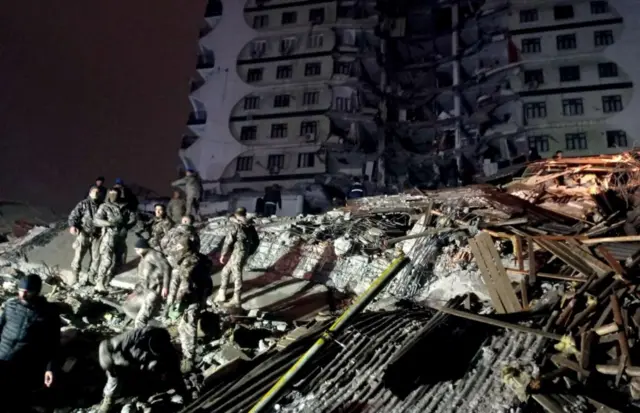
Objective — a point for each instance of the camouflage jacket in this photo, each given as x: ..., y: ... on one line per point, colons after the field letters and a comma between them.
x: 176, y: 208
x: 154, y: 271
x: 158, y: 229
x: 236, y: 237
x: 82, y: 216
x: 193, y: 187
x: 193, y: 281
x: 177, y: 233
x: 113, y: 218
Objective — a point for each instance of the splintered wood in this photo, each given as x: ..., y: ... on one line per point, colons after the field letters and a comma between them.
x: 495, y: 277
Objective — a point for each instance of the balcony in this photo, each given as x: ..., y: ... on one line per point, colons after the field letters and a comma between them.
x: 197, y: 117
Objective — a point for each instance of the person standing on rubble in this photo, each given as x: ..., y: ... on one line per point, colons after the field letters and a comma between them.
x: 29, y: 341
x: 170, y: 240
x: 87, y: 236
x: 145, y: 353
x: 193, y: 190
x: 177, y: 207
x: 158, y: 227
x: 356, y: 190
x: 244, y: 240
x: 115, y: 219
x: 272, y: 200
x: 154, y: 274
x: 188, y: 292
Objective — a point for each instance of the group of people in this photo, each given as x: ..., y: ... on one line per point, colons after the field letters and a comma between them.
x: 171, y: 274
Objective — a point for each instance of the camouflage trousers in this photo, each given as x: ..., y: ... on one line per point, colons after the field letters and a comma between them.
x: 107, y: 255
x: 234, y: 268
x: 193, y: 208
x: 121, y: 250
x: 188, y: 330
x: 151, y: 302
x: 83, y: 244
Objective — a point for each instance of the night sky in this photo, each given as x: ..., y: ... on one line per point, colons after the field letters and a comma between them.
x: 92, y: 88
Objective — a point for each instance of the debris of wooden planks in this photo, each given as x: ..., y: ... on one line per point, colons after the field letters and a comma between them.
x: 494, y: 275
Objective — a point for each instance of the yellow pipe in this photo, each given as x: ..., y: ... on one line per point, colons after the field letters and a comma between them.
x: 360, y: 304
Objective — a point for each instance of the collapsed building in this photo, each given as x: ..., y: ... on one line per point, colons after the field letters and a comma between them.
x: 520, y: 297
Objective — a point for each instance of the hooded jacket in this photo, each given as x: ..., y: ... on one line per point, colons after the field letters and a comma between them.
x: 82, y: 216
x: 29, y: 332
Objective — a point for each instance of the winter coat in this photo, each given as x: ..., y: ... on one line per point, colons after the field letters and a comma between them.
x: 131, y: 349
x: 273, y: 196
x: 236, y: 237
x: 193, y: 187
x: 154, y: 271
x: 82, y: 216
x: 176, y: 208
x: 357, y: 191
x: 30, y: 332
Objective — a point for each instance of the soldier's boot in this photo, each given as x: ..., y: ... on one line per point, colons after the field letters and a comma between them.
x: 186, y: 366
x: 75, y: 277
x: 100, y: 287
x: 106, y: 405
x: 235, y: 301
x: 220, y: 297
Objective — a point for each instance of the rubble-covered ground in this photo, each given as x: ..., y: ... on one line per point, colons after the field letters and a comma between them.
x: 547, y: 252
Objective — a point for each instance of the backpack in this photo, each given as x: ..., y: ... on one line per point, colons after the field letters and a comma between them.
x: 251, y: 239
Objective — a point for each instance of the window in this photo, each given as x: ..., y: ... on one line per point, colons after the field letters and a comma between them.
x: 343, y: 104
x: 252, y: 102
x: 254, y: 75
x: 287, y: 45
x: 531, y: 45
x: 315, y: 41
x: 308, y: 128
x: 244, y: 163
x: 289, y: 17
x: 576, y: 141
x: 312, y: 69
x: 284, y: 72
x: 566, y: 41
x: 281, y: 101
x: 603, y: 38
x: 528, y: 16
x: 310, y: 98
x: 258, y: 48
x: 599, y: 7
x: 342, y: 68
x: 608, y: 69
x: 563, y: 12
x: 535, y: 110
x: 569, y: 73
x: 612, y: 104
x: 572, y: 107
x: 316, y: 16
x: 306, y: 160
x: 540, y: 143
x: 279, y: 130
x: 248, y: 133
x: 534, y: 76
x: 260, y: 21
x: 617, y: 139
x: 275, y: 162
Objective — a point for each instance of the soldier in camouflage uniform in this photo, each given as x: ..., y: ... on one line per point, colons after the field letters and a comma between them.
x: 236, y: 238
x: 154, y: 273
x: 185, y: 229
x: 87, y: 235
x: 113, y: 217
x: 189, y: 291
x: 158, y: 227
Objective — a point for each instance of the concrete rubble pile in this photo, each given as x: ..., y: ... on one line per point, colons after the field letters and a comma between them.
x: 514, y: 299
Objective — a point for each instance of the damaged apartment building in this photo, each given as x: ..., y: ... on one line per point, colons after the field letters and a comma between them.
x: 404, y: 91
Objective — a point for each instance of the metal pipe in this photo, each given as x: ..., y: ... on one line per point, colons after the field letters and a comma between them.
x: 361, y: 303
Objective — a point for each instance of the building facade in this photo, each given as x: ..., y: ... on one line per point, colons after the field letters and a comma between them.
x: 404, y: 91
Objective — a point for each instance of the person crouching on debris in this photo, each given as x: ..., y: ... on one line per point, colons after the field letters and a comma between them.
x: 87, y: 236
x: 357, y: 189
x: 113, y: 218
x: 29, y: 340
x: 154, y: 273
x: 243, y: 238
x: 144, y: 352
x: 158, y: 227
x: 189, y: 291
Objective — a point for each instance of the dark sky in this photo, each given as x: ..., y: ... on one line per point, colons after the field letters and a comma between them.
x: 92, y: 88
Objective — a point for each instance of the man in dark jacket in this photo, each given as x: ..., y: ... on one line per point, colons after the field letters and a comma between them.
x: 87, y: 235
x: 127, y: 195
x: 272, y: 200
x: 356, y: 190
x: 102, y: 190
x: 29, y: 340
x: 146, y: 350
